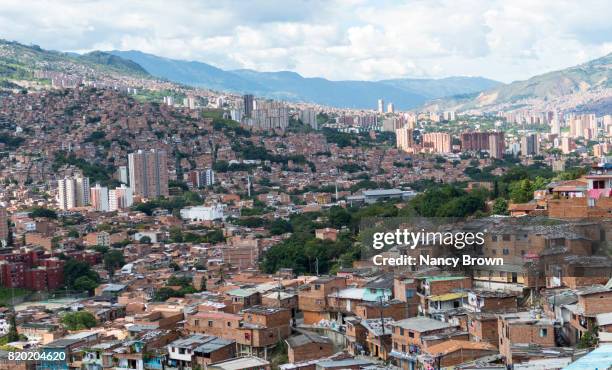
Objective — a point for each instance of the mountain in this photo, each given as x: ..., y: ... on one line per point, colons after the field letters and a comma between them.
x: 285, y: 85
x: 347, y: 94
x: 113, y: 61
x: 570, y: 86
x: 187, y: 72
x: 449, y: 86
x: 17, y: 61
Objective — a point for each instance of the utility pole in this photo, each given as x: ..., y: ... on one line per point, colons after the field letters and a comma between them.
x: 317, y: 266
x: 382, y: 319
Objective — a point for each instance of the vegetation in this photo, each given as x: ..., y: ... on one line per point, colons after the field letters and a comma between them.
x: 7, y: 294
x: 78, y: 320
x: 169, y: 291
x: 95, y: 171
x: 42, y: 212
x: 79, y: 276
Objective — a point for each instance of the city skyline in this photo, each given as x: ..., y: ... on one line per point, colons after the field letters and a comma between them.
x: 336, y: 40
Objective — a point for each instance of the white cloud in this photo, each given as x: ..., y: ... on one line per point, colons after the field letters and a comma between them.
x: 344, y: 39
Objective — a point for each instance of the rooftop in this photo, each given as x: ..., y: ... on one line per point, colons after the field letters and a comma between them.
x: 422, y: 324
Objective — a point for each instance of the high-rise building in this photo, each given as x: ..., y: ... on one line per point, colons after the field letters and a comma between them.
x: 4, y: 228
x: 269, y: 115
x: 122, y: 174
x: 99, y: 198
x: 200, y: 178
x: 437, y: 142
x: 308, y: 116
x: 390, y: 108
x: 248, y: 104
x: 120, y: 198
x: 449, y: 115
x: 530, y: 145
x: 73, y: 192
x: 404, y: 139
x: 381, y: 106
x: 497, y: 145
x: 566, y: 145
x: 148, y: 172
x: 555, y: 126
x: 474, y: 141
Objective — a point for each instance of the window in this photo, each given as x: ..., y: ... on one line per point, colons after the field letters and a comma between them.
x: 317, y: 286
x: 599, y: 184
x: 229, y: 323
x: 210, y: 323
x: 494, y: 251
x: 506, y: 251
x: 196, y: 322
x: 410, y: 334
x: 403, y: 348
x: 543, y: 332
x: 409, y: 293
x: 401, y: 331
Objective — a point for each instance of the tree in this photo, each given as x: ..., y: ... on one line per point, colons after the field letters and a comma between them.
x: 12, y: 335
x: 500, y: 207
x: 113, y: 260
x: 73, y: 233
x: 74, y: 269
x: 145, y: 240
x: 78, y: 320
x: 43, y: 212
x: 85, y: 283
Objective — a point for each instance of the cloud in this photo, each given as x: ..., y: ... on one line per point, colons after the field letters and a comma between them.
x: 343, y: 39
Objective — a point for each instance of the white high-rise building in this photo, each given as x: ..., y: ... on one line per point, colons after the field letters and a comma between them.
x: 308, y: 116
x: 390, y: 108
x: 555, y: 126
x: 73, y: 192
x: 120, y: 198
x: 209, y: 177
x: 99, y: 198
x: 381, y: 106
x: 122, y: 174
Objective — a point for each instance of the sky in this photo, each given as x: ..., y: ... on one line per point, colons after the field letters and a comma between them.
x: 335, y: 39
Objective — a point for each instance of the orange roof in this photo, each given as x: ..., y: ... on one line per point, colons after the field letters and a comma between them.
x: 450, y: 346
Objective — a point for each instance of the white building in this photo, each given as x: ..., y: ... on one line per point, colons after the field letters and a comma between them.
x: 203, y: 213
x: 73, y: 192
x: 99, y: 198
x: 120, y: 198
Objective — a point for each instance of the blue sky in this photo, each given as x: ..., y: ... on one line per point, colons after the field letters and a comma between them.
x: 344, y: 39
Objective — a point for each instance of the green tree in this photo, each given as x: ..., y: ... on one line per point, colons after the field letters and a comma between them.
x: 145, y: 240
x: 500, y: 207
x: 43, y: 212
x: 113, y: 260
x: 85, y: 283
x: 78, y: 320
x: 74, y: 269
x: 12, y: 335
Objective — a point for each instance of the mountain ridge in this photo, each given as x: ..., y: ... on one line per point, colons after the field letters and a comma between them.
x: 289, y: 85
x: 564, y: 84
